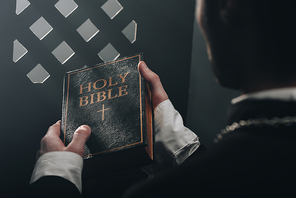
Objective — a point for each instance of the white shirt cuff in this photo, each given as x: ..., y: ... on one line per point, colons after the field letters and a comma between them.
x: 59, y: 163
x: 173, y: 141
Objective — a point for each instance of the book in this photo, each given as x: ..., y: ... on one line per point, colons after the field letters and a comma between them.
x: 114, y: 100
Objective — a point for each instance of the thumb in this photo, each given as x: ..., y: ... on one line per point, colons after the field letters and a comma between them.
x: 157, y: 91
x: 80, y: 136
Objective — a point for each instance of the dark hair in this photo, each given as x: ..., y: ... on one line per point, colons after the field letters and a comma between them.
x: 276, y: 26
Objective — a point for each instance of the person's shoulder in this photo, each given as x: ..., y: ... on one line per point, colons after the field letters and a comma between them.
x: 243, y: 161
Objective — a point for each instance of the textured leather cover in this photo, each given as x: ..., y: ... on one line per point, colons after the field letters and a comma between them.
x: 110, y: 98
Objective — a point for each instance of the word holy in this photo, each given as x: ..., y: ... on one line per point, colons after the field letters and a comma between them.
x: 103, y: 95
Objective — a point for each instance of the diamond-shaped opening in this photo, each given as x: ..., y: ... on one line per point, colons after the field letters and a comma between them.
x: 18, y: 51
x: 108, y: 53
x: 87, y: 30
x: 21, y: 5
x: 66, y: 7
x: 130, y: 31
x: 41, y: 28
x: 63, y: 52
x: 38, y: 74
x: 112, y: 8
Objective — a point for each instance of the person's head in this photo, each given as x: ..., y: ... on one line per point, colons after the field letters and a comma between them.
x: 250, y: 42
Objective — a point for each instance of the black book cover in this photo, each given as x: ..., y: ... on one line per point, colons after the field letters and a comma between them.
x: 114, y: 101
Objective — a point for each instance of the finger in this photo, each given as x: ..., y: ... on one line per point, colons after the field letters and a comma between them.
x: 157, y: 90
x: 80, y: 136
x: 147, y: 74
x: 51, y: 141
x: 54, y: 129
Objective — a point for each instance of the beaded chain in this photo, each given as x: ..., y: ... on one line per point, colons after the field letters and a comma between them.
x: 274, y: 122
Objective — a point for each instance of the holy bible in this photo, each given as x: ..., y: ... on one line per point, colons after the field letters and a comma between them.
x: 114, y: 101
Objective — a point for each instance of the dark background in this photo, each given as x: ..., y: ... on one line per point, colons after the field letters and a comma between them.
x: 208, y: 102
x: 165, y: 34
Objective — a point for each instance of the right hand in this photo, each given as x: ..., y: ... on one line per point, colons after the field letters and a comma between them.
x: 157, y: 91
x: 52, y: 142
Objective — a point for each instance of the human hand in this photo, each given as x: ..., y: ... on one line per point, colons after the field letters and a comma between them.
x: 52, y: 142
x: 157, y: 91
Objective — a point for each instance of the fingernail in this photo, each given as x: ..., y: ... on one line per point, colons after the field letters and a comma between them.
x: 83, y: 127
x: 144, y: 65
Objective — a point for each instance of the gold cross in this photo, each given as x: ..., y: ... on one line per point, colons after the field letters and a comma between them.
x: 103, y: 112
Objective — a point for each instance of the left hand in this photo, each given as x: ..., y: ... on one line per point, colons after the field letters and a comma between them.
x: 157, y: 91
x: 52, y: 142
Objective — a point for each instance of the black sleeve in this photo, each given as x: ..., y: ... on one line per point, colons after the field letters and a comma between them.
x: 53, y: 186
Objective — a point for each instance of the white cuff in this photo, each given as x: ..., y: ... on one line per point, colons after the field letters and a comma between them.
x: 59, y: 163
x: 174, y: 142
